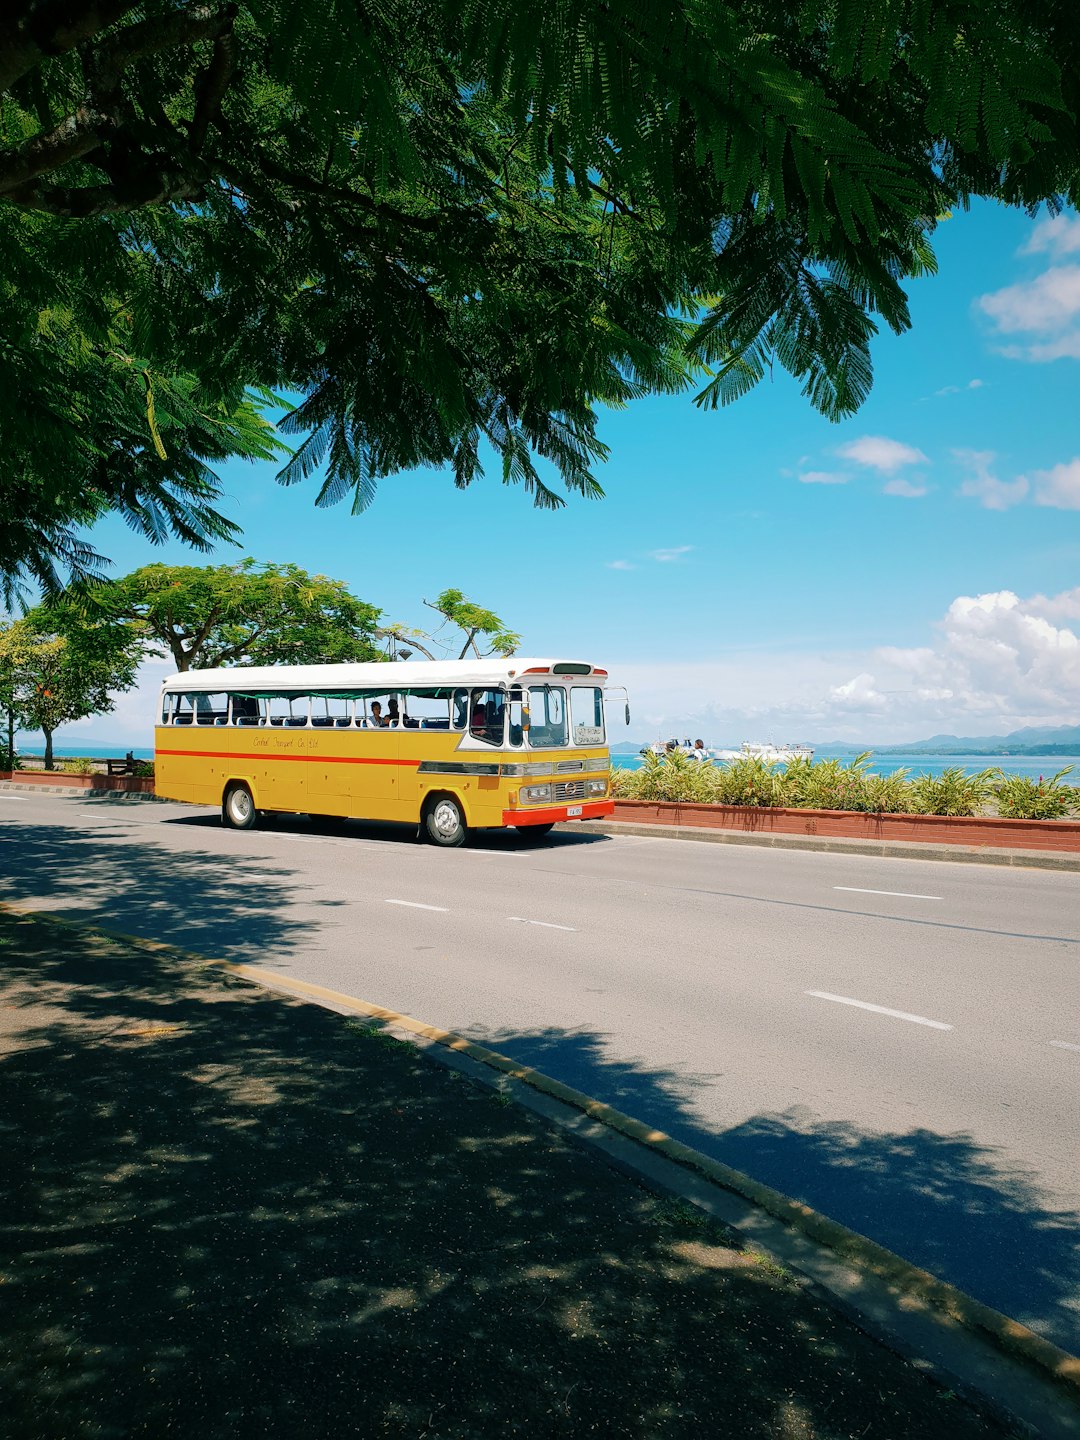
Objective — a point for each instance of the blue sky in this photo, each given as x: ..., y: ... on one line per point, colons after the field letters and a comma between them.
x: 757, y: 572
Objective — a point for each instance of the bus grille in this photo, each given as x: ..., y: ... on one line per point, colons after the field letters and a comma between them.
x: 570, y: 790
x: 569, y: 767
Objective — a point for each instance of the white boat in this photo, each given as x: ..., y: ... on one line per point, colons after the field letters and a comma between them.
x: 769, y: 753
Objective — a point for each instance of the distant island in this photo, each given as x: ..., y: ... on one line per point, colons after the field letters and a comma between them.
x: 1032, y: 740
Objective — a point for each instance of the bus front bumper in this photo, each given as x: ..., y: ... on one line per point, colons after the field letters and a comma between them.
x: 556, y: 814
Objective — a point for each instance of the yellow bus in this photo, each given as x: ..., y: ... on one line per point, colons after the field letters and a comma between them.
x: 449, y: 746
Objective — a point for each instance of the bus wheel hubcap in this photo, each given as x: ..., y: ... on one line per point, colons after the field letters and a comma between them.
x: 241, y: 805
x: 446, y: 818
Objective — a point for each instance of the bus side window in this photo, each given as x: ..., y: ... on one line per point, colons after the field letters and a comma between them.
x: 245, y: 710
x: 459, y: 718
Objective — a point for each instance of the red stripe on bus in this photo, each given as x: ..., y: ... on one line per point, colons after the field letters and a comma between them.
x: 311, y: 759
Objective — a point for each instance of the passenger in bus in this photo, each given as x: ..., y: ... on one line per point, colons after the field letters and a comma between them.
x: 393, y: 719
x: 376, y: 722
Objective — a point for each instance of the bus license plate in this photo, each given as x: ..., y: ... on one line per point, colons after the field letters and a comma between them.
x: 573, y: 810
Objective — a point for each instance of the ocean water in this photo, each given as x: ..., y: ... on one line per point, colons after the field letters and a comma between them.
x: 93, y: 748
x: 918, y: 764
x: 1030, y: 765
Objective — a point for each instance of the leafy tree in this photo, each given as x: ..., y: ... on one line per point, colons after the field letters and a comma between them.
x: 55, y: 682
x: 244, y: 614
x: 11, y: 655
x: 468, y: 619
x: 445, y: 224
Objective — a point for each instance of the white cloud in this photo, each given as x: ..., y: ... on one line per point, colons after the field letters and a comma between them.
x: 995, y: 662
x: 881, y: 454
x: 1058, y: 235
x: 956, y: 389
x: 823, y: 477
x: 1065, y: 347
x: 674, y: 552
x: 909, y: 489
x: 621, y: 565
x: 1065, y: 606
x: 984, y: 486
x: 1058, y: 487
x: 1049, y: 302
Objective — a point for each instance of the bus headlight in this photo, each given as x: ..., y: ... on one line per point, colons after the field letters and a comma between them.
x: 531, y: 794
x: 596, y: 787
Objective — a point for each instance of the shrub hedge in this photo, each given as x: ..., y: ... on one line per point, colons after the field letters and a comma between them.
x: 804, y: 784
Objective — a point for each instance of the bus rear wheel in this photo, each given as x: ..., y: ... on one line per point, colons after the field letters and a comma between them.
x: 444, y: 821
x: 238, y: 808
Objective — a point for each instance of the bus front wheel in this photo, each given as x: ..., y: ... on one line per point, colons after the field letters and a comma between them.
x: 444, y: 821
x: 535, y: 832
x: 238, y: 808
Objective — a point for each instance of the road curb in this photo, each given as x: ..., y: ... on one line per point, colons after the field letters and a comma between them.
x: 72, y: 792
x: 888, y: 849
x: 910, y: 1286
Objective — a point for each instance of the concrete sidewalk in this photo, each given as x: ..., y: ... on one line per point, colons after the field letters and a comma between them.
x: 226, y: 1213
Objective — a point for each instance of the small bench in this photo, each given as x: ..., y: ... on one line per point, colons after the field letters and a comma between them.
x: 121, y: 767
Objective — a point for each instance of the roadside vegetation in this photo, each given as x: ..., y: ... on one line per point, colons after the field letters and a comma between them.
x: 834, y: 784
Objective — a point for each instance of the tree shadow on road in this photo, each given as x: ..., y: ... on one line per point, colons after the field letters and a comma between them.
x: 957, y: 1208
x: 209, y: 903
x: 224, y: 1214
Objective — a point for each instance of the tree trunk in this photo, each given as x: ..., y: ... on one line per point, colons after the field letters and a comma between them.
x: 48, y: 749
x: 11, y: 737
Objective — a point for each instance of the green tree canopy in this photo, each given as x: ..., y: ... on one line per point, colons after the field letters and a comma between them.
x: 210, y: 615
x: 471, y: 626
x: 445, y: 224
x: 54, y: 681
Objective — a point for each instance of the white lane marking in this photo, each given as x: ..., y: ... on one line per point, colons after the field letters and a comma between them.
x: 1064, y: 1045
x: 547, y: 924
x: 900, y: 894
x: 415, y: 905
x: 878, y: 1009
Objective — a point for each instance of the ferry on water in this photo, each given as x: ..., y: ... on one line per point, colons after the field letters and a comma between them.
x: 769, y: 753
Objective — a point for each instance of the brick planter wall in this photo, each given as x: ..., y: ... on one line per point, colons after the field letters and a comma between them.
x: 136, y: 784
x: 976, y: 830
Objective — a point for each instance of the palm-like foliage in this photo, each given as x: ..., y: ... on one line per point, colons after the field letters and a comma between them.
x: 459, y: 225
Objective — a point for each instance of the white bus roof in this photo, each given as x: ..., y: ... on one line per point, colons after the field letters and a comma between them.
x: 382, y: 677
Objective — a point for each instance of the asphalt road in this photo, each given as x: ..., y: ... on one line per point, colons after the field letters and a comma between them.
x: 896, y: 1042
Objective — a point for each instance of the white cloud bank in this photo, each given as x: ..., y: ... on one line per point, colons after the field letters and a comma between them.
x: 993, y: 663
x: 1043, y: 311
x: 996, y: 662
x: 1057, y: 488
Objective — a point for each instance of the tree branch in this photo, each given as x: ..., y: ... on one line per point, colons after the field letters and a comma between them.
x: 107, y: 62
x: 73, y: 138
x: 211, y: 87
x: 152, y: 179
x: 37, y: 31
x: 79, y: 202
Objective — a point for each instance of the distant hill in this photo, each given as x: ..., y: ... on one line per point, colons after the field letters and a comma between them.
x: 1031, y: 740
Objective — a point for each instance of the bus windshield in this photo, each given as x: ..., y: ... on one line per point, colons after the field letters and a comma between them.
x: 547, y: 717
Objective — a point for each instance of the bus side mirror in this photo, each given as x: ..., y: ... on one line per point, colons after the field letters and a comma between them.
x: 628, y: 712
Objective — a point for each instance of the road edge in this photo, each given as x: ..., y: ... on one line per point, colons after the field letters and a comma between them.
x: 888, y: 849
